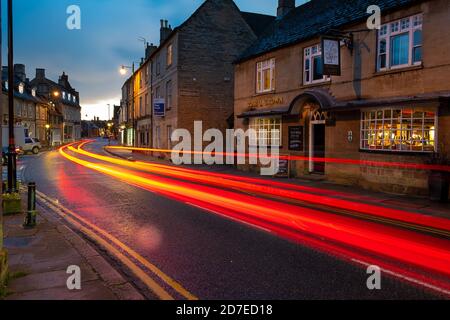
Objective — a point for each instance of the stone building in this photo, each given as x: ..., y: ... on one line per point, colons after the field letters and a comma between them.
x: 189, y: 76
x: 66, y: 102
x: 391, y: 102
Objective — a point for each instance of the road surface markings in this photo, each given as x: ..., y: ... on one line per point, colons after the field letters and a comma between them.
x: 92, y: 231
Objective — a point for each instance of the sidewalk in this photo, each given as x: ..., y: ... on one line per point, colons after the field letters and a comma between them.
x: 39, y: 258
x: 411, y: 204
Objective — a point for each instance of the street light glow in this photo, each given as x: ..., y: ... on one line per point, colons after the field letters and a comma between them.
x: 123, y: 70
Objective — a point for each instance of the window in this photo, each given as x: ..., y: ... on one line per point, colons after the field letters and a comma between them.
x: 313, y: 66
x: 400, y: 129
x: 265, y: 76
x: 169, y: 137
x: 158, y: 137
x: 21, y: 88
x: 64, y: 95
x: 146, y: 108
x: 169, y: 95
x: 140, y: 107
x: 400, y: 43
x: 158, y: 66
x: 169, y: 55
x: 266, y: 129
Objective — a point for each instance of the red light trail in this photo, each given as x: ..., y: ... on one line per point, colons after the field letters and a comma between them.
x: 357, y: 239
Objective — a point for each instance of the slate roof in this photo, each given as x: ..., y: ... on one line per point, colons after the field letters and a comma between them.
x: 314, y: 18
x: 258, y: 22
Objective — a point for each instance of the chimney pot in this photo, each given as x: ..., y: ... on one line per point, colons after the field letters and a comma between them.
x: 284, y: 7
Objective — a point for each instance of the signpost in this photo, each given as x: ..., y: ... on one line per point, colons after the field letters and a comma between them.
x: 159, y: 108
x: 331, y: 56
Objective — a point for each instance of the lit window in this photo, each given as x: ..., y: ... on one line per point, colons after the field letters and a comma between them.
x: 400, y: 43
x: 169, y: 55
x: 265, y: 76
x: 268, y: 131
x: 313, y: 66
x: 402, y: 129
x: 64, y: 95
x: 21, y: 88
x: 169, y: 95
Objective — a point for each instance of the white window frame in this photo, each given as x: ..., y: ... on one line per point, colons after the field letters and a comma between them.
x: 395, y: 28
x: 385, y: 121
x: 263, y: 127
x: 309, y: 54
x: 261, y: 67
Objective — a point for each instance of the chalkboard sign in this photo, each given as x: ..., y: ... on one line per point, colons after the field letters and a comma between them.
x: 284, y: 170
x: 296, y: 139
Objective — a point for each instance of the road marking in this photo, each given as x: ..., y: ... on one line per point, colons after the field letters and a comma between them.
x: 153, y: 286
x: 406, y: 278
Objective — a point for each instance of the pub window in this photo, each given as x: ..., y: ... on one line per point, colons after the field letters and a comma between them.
x: 313, y: 66
x: 265, y: 76
x: 399, y: 129
x: 267, y: 129
x: 400, y: 43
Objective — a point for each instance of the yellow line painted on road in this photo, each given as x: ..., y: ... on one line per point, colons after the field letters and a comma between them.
x: 153, y: 286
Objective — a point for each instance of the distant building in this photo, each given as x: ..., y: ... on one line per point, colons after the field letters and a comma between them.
x: 66, y: 101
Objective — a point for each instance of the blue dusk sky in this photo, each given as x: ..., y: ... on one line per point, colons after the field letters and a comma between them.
x: 108, y: 38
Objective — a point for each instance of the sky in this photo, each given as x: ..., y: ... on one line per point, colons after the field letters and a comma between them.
x: 108, y: 38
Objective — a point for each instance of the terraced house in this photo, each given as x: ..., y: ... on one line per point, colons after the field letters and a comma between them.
x: 390, y: 102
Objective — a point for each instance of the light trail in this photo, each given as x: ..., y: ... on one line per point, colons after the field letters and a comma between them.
x: 422, y: 251
x: 204, y: 177
x: 370, y: 163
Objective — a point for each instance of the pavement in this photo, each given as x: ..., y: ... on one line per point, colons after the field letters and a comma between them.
x: 40, y: 257
x: 175, y: 244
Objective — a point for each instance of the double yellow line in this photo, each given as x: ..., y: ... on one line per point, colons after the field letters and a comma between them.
x: 121, y: 252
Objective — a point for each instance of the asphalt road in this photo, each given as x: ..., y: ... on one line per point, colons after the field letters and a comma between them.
x: 211, y: 256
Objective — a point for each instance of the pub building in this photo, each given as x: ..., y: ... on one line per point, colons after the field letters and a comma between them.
x: 380, y: 95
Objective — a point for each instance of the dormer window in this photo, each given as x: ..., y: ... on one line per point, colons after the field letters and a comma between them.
x: 70, y: 97
x: 21, y: 88
x: 64, y: 95
x: 33, y: 92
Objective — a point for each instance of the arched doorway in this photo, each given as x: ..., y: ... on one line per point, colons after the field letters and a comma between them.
x: 312, y: 106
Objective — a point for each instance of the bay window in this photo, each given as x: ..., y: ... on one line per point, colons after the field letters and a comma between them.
x: 268, y: 132
x: 265, y: 76
x: 400, y: 43
x: 313, y: 66
x: 399, y: 129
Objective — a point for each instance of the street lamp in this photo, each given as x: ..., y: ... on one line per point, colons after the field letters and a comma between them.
x: 56, y: 94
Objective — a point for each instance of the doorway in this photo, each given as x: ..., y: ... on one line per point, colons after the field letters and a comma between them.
x: 317, y: 145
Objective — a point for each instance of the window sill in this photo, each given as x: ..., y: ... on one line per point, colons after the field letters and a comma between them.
x: 259, y: 94
x: 402, y: 153
x: 316, y: 84
x: 398, y: 70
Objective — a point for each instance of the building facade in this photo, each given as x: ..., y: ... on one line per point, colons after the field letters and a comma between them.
x: 190, y: 76
x: 391, y: 103
x: 65, y: 102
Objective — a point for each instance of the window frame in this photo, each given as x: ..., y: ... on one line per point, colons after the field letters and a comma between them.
x: 389, y: 31
x: 261, y: 67
x: 367, y: 129
x: 309, y: 56
x: 169, y: 55
x: 259, y: 127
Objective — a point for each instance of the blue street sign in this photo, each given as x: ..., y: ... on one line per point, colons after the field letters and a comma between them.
x: 159, y: 108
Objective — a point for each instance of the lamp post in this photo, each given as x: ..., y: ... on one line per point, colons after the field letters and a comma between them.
x: 12, y: 154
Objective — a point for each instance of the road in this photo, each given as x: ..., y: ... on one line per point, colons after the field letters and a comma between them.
x: 198, y: 248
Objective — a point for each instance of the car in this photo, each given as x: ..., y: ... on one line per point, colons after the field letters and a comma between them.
x: 32, y: 145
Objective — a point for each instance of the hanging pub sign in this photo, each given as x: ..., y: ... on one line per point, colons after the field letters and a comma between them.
x: 159, y: 108
x: 331, y: 56
x: 296, y: 138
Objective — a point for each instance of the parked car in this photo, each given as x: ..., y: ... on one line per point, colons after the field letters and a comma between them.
x: 32, y: 145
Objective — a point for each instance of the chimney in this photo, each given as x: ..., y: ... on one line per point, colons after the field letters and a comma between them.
x: 40, y: 73
x: 149, y: 50
x: 165, y: 31
x: 63, y: 80
x: 19, y: 72
x: 284, y: 7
